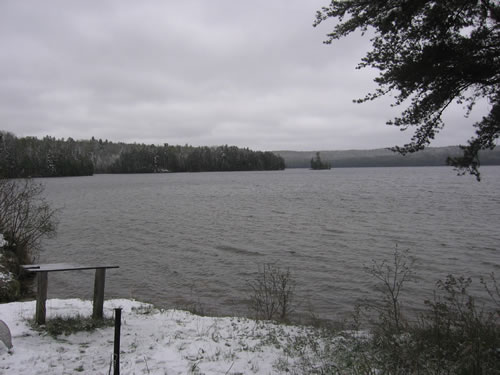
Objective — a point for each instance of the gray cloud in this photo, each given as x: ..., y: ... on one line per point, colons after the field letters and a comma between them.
x: 253, y: 74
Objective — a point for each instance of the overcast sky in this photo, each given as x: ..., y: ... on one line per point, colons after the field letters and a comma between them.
x: 246, y: 73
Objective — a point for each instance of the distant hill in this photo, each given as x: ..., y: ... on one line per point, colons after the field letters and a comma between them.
x: 431, y: 156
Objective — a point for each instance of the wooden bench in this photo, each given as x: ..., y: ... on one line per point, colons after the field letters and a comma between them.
x: 42, y: 271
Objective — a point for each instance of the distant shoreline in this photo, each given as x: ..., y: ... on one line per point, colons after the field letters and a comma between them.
x: 430, y: 157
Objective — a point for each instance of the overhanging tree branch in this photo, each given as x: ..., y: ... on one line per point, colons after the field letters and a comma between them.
x: 433, y: 53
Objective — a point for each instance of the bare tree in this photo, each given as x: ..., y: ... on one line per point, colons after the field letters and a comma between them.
x: 25, y: 217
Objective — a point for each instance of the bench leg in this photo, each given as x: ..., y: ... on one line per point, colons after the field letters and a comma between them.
x: 41, y: 297
x: 100, y: 276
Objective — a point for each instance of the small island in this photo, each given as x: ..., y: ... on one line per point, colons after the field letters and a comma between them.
x: 317, y: 164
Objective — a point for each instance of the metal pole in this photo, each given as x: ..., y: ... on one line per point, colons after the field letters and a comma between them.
x: 116, y: 352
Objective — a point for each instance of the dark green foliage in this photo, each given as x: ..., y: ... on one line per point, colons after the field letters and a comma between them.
x: 150, y: 159
x: 49, y: 157
x: 317, y: 163
x: 430, y: 53
x: 457, y: 334
x: 10, y: 288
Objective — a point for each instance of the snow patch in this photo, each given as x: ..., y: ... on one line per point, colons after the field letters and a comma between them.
x: 153, y: 341
x: 6, y: 277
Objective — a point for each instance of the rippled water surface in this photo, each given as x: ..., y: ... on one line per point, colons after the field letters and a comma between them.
x: 198, y: 238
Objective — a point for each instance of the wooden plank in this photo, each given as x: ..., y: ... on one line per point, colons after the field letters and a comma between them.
x: 100, y: 276
x: 54, y: 267
x: 29, y: 266
x: 41, y: 297
x: 49, y: 267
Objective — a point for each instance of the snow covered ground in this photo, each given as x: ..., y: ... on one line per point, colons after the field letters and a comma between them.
x: 152, y: 342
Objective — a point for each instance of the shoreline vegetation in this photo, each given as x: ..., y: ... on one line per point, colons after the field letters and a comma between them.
x: 50, y: 157
x: 25, y: 218
x: 454, y: 334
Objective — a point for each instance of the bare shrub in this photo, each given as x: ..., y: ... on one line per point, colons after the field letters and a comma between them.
x: 273, y: 292
x: 25, y: 217
x: 387, y: 348
x: 493, y: 290
x: 454, y: 335
x: 457, y: 334
x: 392, y: 276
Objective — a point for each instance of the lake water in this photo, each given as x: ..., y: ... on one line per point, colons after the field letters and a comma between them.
x: 182, y: 239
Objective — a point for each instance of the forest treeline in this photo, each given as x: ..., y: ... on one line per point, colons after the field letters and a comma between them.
x: 51, y: 157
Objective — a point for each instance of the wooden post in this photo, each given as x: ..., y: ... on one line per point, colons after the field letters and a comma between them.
x: 41, y: 297
x: 100, y: 276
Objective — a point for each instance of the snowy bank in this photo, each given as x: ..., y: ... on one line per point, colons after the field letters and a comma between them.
x: 152, y: 342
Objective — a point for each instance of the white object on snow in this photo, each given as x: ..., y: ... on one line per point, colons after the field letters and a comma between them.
x: 5, y: 335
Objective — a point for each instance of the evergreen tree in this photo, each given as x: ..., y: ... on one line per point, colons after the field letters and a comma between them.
x: 430, y: 53
x: 317, y: 163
